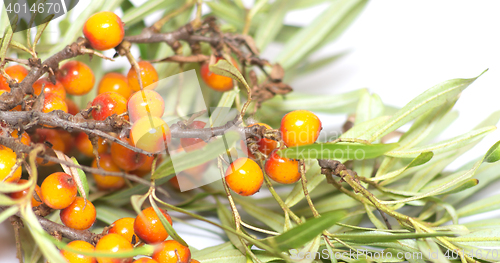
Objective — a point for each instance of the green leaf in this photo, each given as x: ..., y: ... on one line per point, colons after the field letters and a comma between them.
x: 138, y: 13
x: 224, y: 68
x: 83, y: 179
x: 41, y: 28
x: 309, y: 37
x: 272, y: 219
x: 109, y: 214
x: 430, y: 99
x: 493, y: 154
x: 463, y: 186
x: 301, y: 234
x: 137, y: 201
x: 444, y: 146
x: 370, y: 106
x: 480, y: 206
x: 335, y: 151
x: 229, y: 13
x: 6, y: 40
x: 232, y: 256
x: 367, y: 237
x: 170, y: 230
x: 431, y: 251
x: 271, y: 24
x: 419, y: 160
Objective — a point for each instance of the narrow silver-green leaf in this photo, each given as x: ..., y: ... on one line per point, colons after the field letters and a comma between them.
x: 271, y: 24
x: 170, y: 230
x: 83, y: 179
x: 335, y: 151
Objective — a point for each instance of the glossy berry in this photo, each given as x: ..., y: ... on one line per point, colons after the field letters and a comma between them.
x: 107, y: 104
x: 80, y: 215
x: 281, y: 169
x: 23, y: 193
x: 148, y: 73
x: 191, y: 144
x: 72, y: 107
x: 300, y: 127
x: 104, y: 182
x: 116, y: 82
x: 145, y: 103
x: 8, y: 159
x: 266, y: 146
x: 58, y: 190
x: 148, y: 226
x: 16, y: 73
x: 125, y: 158
x: 244, y: 177
x: 78, y: 258
x: 84, y: 145
x: 76, y: 77
x: 194, y: 261
x: 53, y: 102
x: 145, y: 260
x: 150, y: 134
x: 125, y: 227
x: 171, y: 251
x: 104, y: 30
x: 49, y: 87
x: 214, y: 81
x: 113, y: 243
x: 49, y: 137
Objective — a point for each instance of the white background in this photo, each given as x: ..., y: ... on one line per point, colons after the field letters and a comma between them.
x: 398, y: 49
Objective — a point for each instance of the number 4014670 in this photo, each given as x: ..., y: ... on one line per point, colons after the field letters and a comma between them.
x: 49, y: 8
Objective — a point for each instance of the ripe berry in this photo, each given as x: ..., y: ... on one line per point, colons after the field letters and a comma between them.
x: 150, y: 134
x: 113, y: 243
x: 17, y: 73
x: 72, y: 107
x: 148, y: 73
x: 84, y: 145
x: 214, y: 81
x: 107, y: 104
x: 194, y: 261
x: 104, y: 182
x: 78, y: 258
x: 51, y: 137
x: 125, y: 158
x: 191, y: 144
x: 58, y: 190
x: 53, y: 102
x: 145, y: 260
x: 300, y: 127
x: 282, y: 170
x: 171, y: 251
x: 49, y: 87
x: 244, y: 176
x: 148, y: 226
x: 8, y: 159
x: 116, y: 82
x: 145, y: 103
x: 80, y: 215
x: 23, y: 193
x: 125, y: 228
x: 68, y: 140
x: 104, y: 30
x: 76, y: 77
x: 266, y: 146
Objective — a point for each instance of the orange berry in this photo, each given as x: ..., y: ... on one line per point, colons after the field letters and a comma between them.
x: 300, y: 127
x: 51, y: 136
x: 266, y: 146
x: 150, y: 134
x: 282, y: 170
x: 214, y: 81
x: 125, y: 228
x: 76, y: 77
x: 107, y: 104
x: 58, y: 190
x: 125, y: 158
x: 53, y: 102
x: 194, y: 261
x: 17, y: 73
x: 116, y: 82
x: 84, y: 145
x: 104, y: 30
x: 23, y: 193
x: 72, y: 107
x: 113, y: 243
x: 25, y: 138
x: 8, y: 159
x: 78, y: 258
x: 244, y: 176
x: 68, y: 140
x: 80, y: 215
x: 145, y: 260
x: 145, y: 103
x: 49, y: 87
x: 148, y: 226
x: 191, y: 144
x: 104, y: 182
x: 148, y: 73
x: 171, y: 251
